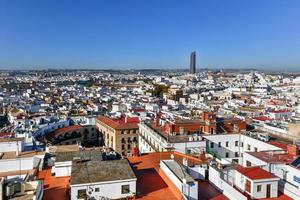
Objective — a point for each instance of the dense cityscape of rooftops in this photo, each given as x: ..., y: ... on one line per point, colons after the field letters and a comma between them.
x: 149, y: 134
x: 149, y: 100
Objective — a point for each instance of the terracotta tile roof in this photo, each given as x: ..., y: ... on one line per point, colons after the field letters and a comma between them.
x: 54, y: 188
x: 66, y: 129
x: 279, y: 144
x: 280, y: 111
x: 263, y: 118
x: 273, y: 157
x: 280, y: 197
x: 108, y: 121
x: 6, y: 134
x: 153, y: 183
x: 115, y: 124
x: 255, y: 173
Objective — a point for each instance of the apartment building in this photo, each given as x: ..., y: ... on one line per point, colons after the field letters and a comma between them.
x: 232, y: 147
x: 119, y: 134
x: 181, y: 135
x: 249, y: 168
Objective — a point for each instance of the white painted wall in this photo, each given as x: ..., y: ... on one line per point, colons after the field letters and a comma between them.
x: 289, y: 189
x: 63, y: 168
x: 160, y: 143
x: 240, y: 182
x: 228, y: 190
x: 254, y: 161
x: 12, y: 146
x: 214, y: 177
x: 197, y: 172
x: 110, y: 189
x: 263, y: 192
x: 16, y: 164
x: 231, y: 193
x: 292, y: 175
x: 181, y: 147
x: 191, y: 191
x: 242, y: 140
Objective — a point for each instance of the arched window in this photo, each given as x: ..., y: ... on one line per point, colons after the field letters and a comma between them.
x: 123, y: 141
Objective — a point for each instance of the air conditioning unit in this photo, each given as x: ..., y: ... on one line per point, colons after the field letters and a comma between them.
x: 19, y: 187
x: 10, y: 190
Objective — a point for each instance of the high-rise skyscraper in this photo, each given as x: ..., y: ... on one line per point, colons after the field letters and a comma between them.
x: 193, y: 63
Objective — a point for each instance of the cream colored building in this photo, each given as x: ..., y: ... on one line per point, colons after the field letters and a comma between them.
x: 120, y: 136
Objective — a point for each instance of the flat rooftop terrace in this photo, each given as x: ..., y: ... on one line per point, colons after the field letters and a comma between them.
x: 153, y: 184
x: 54, y: 188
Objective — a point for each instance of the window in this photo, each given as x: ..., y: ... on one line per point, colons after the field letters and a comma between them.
x: 128, y: 146
x: 211, y: 145
x: 236, y: 154
x: 125, y: 189
x: 242, y: 144
x: 97, y: 189
x: 258, y: 188
x: 227, y: 144
x: 236, y: 143
x: 248, y: 163
x: 81, y: 194
x: 219, y: 145
x: 134, y: 139
x: 227, y: 155
x: 248, y: 147
x: 123, y: 141
x: 255, y: 149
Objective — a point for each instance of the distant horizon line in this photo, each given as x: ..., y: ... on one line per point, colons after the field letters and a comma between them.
x: 154, y: 69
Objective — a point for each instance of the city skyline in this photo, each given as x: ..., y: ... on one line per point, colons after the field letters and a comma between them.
x: 143, y: 35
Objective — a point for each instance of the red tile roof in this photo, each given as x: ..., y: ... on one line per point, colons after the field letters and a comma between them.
x: 115, y: 124
x: 108, y: 121
x: 153, y: 184
x: 137, y: 110
x: 263, y: 118
x: 6, y: 135
x: 66, y: 129
x: 280, y: 197
x: 281, y: 111
x: 273, y: 157
x: 279, y: 144
x: 254, y: 173
x: 54, y: 188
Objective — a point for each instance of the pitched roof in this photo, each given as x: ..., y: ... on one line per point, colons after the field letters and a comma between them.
x: 101, y: 171
x: 66, y: 129
x: 255, y: 173
x: 115, y: 124
x: 278, y: 144
x: 273, y: 157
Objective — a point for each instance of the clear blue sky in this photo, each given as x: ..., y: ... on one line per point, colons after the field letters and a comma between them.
x: 149, y: 33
